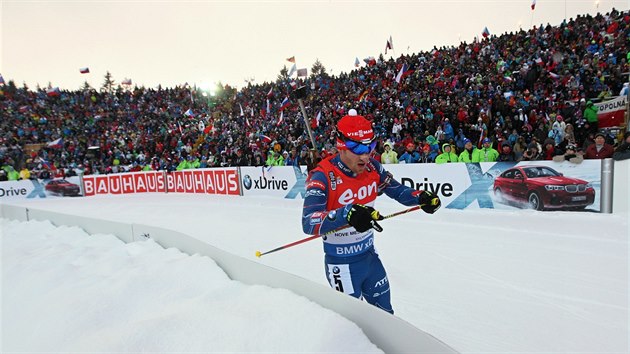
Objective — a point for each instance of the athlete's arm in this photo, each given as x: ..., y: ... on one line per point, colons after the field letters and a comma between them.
x: 315, y: 218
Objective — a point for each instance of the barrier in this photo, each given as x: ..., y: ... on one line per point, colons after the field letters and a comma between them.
x: 389, y: 333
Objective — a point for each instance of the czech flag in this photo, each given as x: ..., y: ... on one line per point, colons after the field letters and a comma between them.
x: 265, y: 139
x: 85, y: 70
x: 56, y: 143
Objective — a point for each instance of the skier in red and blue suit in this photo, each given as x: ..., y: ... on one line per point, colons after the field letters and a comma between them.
x: 341, y: 191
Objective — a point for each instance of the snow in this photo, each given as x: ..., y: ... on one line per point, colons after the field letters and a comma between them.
x: 482, y: 281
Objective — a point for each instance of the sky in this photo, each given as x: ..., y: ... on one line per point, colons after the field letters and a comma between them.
x: 203, y: 42
x: 482, y: 281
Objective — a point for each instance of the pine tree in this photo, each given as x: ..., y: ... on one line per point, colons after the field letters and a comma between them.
x: 318, y: 69
x: 86, y: 86
x: 284, y: 74
x: 109, y: 83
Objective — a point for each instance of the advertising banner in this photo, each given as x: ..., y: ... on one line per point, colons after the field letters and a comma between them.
x: 280, y: 181
x: 542, y: 185
x: 125, y: 183
x: 204, y: 181
x: 611, y: 113
x: 34, y: 188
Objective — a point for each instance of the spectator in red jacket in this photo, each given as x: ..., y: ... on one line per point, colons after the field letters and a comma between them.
x: 599, y: 150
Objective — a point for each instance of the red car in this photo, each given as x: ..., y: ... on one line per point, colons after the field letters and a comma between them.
x: 542, y: 187
x: 63, y: 187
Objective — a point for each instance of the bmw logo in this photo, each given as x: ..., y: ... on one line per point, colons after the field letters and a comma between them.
x: 247, y: 182
x: 335, y: 270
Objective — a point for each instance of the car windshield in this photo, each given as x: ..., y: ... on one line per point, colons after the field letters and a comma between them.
x: 533, y: 172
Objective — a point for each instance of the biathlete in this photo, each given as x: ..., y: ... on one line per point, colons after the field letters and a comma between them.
x: 340, y: 191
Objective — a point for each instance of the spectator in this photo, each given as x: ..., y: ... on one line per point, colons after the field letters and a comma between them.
x: 274, y: 158
x: 531, y: 154
x: 549, y: 150
x: 389, y: 155
x: 25, y: 173
x: 486, y: 153
x: 3, y: 176
x: 506, y: 153
x: 447, y: 155
x: 590, y: 114
x: 599, y: 149
x: 410, y: 155
x: 570, y: 155
x: 468, y: 153
x: 623, y: 150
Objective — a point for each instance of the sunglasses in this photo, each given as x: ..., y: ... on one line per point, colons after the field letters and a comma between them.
x: 359, y: 148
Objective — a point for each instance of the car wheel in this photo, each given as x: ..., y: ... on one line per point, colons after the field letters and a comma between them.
x: 535, y: 202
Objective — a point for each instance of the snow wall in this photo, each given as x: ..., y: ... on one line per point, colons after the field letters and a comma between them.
x: 389, y: 333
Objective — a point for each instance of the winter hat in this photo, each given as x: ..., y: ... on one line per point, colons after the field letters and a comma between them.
x: 355, y: 128
x: 466, y: 141
x: 485, y: 140
x: 600, y: 134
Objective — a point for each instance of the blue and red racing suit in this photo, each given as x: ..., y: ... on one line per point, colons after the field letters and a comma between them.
x: 351, y: 263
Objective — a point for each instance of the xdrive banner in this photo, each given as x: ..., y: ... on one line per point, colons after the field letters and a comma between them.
x: 541, y: 185
x: 36, y: 189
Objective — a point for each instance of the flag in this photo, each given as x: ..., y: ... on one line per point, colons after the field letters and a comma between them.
x: 370, y: 61
x: 302, y: 72
x: 293, y: 85
x: 554, y: 75
x: 1, y: 80
x: 247, y: 122
x: 356, y: 62
x: 400, y: 73
x: 189, y: 113
x: 539, y: 61
x: 242, y: 113
x: 85, y: 70
x: 270, y: 93
x: 126, y: 82
x: 268, y: 107
x: 57, y: 144
x: 533, y: 4
x: 53, y: 91
x: 47, y: 165
x: 293, y: 68
x: 363, y: 95
x: 389, y: 45
x: 285, y: 103
x: 318, y: 118
x: 292, y: 59
x: 281, y: 117
x: 485, y: 32
x: 265, y: 139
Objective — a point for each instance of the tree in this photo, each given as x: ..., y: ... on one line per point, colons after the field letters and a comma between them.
x: 86, y: 86
x: 284, y: 74
x: 109, y: 83
x: 318, y: 69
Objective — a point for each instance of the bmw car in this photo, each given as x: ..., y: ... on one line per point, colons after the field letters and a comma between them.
x: 63, y: 187
x: 541, y: 188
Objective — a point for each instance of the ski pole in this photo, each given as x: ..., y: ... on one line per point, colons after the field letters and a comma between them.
x: 259, y: 254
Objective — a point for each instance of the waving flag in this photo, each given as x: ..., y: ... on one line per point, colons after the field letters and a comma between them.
x: 126, y: 82
x: 57, y: 144
x: 268, y: 107
x: 292, y: 59
x: 189, y: 113
x: 285, y: 103
x: 242, y: 113
x: 302, y: 72
x: 293, y: 69
x: 53, y: 92
x: 533, y: 4
x: 401, y: 72
x: 264, y: 138
x: 281, y: 117
x: 317, y: 119
x: 270, y: 93
x: 85, y: 70
x: 485, y: 32
x: 356, y: 62
x: 389, y: 45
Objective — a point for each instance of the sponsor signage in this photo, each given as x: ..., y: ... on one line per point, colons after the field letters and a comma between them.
x: 280, y: 181
x: 611, y: 113
x: 36, y: 189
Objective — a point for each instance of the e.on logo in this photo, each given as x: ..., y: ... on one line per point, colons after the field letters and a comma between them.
x: 203, y: 181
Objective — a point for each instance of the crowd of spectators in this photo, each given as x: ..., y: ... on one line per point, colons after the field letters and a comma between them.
x: 525, y: 95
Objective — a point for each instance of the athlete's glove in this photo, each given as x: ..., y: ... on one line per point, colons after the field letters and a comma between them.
x: 429, y: 202
x: 363, y: 218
